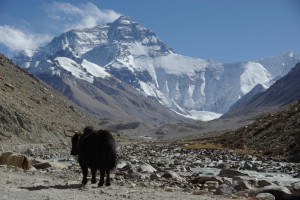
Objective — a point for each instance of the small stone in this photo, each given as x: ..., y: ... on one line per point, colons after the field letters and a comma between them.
x: 169, y: 189
x: 200, y: 192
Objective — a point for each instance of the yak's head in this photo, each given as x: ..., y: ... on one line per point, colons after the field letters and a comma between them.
x: 75, y: 139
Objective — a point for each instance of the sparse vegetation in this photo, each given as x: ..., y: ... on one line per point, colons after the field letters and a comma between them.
x: 274, y: 134
x: 210, y: 144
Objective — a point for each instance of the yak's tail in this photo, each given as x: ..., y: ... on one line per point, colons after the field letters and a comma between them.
x: 113, y: 158
x: 111, y: 148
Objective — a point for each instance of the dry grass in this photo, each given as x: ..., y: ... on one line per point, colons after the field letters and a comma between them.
x: 198, y: 145
x: 202, y: 145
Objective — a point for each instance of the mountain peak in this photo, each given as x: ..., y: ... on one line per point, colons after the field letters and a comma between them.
x: 123, y: 19
x: 124, y: 29
x: 290, y: 54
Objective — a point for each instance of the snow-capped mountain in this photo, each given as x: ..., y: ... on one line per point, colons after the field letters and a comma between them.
x: 123, y: 49
x: 284, y: 91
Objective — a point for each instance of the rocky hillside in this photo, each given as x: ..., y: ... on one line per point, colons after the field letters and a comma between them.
x: 274, y: 133
x: 32, y: 112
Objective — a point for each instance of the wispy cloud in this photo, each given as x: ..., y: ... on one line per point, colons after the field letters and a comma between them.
x: 16, y: 39
x: 81, y: 16
x: 61, y: 17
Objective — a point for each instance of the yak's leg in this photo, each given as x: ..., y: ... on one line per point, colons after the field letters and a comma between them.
x: 107, y: 178
x: 84, y: 172
x: 94, y: 172
x: 102, y: 173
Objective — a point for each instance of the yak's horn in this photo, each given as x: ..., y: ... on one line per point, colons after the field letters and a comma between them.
x: 67, y: 134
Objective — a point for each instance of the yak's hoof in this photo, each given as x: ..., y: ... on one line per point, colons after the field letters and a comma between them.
x: 100, y: 184
x: 84, y: 181
x: 94, y: 181
x: 107, y: 184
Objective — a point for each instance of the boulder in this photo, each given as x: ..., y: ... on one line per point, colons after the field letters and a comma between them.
x: 225, y: 190
x: 170, y: 175
x: 203, y: 179
x: 243, y: 185
x: 17, y: 160
x: 4, y: 156
x: 265, y: 196
x: 146, y: 168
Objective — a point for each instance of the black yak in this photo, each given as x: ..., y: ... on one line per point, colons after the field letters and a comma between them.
x: 95, y: 150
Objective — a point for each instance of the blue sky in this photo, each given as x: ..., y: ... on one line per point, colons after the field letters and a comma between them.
x: 222, y: 30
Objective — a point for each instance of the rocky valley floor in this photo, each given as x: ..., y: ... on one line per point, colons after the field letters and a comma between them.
x: 149, y: 171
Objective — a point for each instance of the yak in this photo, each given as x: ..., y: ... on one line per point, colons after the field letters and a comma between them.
x: 96, y: 150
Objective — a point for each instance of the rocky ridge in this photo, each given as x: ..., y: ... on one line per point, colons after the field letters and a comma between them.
x: 273, y: 133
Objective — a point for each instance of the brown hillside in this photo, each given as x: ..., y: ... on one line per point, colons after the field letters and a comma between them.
x: 32, y: 112
x: 275, y: 134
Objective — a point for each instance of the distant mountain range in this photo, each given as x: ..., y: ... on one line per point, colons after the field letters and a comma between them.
x: 105, y: 69
x: 283, y: 92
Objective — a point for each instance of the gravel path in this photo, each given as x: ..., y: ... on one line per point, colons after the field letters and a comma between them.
x: 20, y: 185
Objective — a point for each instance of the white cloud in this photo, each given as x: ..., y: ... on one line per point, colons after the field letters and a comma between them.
x: 16, y: 39
x: 82, y: 16
x: 60, y: 17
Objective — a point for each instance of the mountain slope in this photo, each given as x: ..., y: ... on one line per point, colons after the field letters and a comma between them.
x: 274, y: 133
x: 31, y: 111
x: 134, y: 54
x: 283, y: 92
x: 112, y: 100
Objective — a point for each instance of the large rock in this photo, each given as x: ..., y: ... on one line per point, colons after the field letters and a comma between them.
x: 265, y: 196
x: 225, y: 190
x: 146, y: 168
x: 17, y: 160
x: 4, y: 156
x: 275, y: 188
x: 279, y: 192
x: 203, y: 179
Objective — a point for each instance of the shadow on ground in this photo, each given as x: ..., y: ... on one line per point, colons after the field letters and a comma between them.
x: 59, y: 187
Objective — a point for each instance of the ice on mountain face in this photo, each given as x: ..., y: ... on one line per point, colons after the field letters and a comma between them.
x: 178, y: 64
x: 74, y: 68
x: 86, y: 70
x: 253, y: 74
x: 280, y: 65
x: 94, y: 69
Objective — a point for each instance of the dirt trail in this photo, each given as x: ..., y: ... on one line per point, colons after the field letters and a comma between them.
x: 20, y: 185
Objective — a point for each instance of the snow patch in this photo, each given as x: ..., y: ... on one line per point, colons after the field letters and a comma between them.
x: 201, y: 115
x: 148, y: 89
x: 94, y: 69
x: 254, y: 73
x: 76, y: 69
x: 178, y: 64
